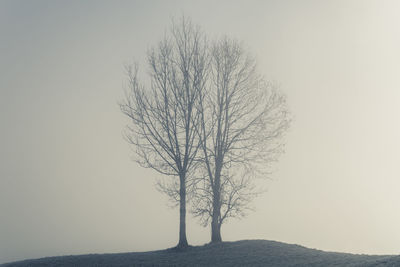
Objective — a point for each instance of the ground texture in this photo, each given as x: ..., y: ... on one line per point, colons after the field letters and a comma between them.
x: 240, y: 253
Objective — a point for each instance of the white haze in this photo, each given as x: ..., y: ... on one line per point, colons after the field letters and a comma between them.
x: 68, y: 185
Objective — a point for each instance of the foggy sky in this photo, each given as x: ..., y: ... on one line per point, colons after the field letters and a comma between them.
x: 67, y: 182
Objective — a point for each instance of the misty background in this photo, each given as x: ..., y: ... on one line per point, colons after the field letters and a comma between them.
x: 67, y: 182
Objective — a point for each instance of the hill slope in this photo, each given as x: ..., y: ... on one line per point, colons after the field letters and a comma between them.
x: 240, y: 253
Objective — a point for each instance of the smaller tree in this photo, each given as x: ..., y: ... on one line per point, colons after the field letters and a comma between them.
x: 241, y: 121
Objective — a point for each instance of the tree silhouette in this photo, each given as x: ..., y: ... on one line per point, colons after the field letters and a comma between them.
x: 207, y: 118
x: 242, y: 119
x: 164, y: 115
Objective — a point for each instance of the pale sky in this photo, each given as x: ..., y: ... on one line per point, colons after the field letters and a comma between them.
x: 67, y: 181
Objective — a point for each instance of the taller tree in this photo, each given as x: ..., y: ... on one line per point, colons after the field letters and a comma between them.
x: 163, y: 112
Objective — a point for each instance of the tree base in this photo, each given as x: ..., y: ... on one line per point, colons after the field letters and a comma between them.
x: 180, y: 248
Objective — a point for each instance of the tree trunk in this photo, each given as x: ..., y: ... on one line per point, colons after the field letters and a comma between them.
x: 182, y: 213
x: 215, y: 231
x: 216, y: 214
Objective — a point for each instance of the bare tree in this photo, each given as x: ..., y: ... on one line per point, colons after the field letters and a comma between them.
x: 164, y: 114
x: 242, y: 118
